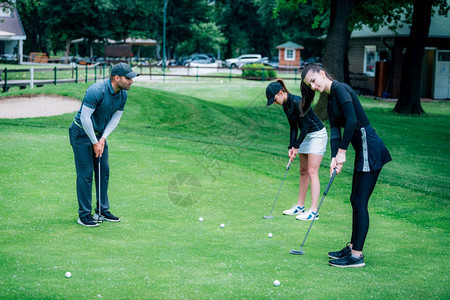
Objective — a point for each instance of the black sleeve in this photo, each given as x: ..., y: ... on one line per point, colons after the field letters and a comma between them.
x: 344, y: 98
x: 293, y: 134
x: 335, y: 138
x: 303, y: 132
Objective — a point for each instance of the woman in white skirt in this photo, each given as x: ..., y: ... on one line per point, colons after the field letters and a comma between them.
x: 310, y: 145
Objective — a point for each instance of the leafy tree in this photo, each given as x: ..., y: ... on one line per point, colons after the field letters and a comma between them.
x: 259, y: 25
x: 409, y: 98
x: 346, y: 15
x: 181, y: 16
x: 206, y: 38
x: 68, y: 20
x: 52, y: 24
x: 30, y: 12
x: 232, y: 15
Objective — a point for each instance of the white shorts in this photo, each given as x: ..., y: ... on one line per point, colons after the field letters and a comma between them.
x: 314, y: 143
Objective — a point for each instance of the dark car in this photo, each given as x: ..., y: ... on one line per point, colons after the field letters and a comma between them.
x: 313, y: 59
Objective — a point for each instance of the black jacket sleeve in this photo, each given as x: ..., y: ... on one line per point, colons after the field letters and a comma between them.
x: 344, y: 99
x: 335, y: 138
x: 293, y: 133
x: 303, y: 132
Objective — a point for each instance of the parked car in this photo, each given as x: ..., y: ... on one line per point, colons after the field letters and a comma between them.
x: 274, y: 62
x: 313, y: 59
x: 242, y: 60
x: 211, y: 56
x: 199, y: 59
x: 8, y: 57
x: 180, y: 61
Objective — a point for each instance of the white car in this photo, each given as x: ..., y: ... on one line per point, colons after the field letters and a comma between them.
x: 242, y: 60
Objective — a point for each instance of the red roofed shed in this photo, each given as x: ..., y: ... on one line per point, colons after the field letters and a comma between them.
x: 289, y: 55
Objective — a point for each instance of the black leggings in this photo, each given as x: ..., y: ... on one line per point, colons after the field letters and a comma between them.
x: 362, y: 187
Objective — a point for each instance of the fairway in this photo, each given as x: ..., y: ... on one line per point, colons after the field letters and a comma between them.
x: 215, y: 151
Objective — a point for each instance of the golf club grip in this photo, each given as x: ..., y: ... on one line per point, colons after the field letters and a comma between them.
x: 289, y: 164
x: 330, y: 182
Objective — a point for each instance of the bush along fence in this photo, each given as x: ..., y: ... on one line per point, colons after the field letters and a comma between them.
x: 39, y: 76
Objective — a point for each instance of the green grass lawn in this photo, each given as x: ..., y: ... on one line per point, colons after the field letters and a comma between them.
x: 233, y: 149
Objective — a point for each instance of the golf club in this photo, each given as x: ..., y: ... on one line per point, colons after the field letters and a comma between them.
x: 301, y: 252
x: 287, y: 169
x: 99, y: 217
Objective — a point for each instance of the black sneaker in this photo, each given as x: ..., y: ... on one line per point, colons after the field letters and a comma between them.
x: 106, y: 216
x: 87, y: 221
x: 340, y: 254
x: 348, y: 262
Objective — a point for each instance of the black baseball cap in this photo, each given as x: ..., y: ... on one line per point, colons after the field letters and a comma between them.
x: 123, y: 69
x: 272, y: 89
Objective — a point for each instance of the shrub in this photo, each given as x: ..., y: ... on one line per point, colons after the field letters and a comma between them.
x: 256, y: 71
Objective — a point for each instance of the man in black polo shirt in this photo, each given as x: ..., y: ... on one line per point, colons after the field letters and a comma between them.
x: 98, y: 116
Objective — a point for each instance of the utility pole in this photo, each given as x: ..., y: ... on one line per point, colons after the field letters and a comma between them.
x: 164, y: 36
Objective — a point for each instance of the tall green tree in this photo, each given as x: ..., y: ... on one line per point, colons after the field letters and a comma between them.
x: 68, y: 20
x: 181, y: 16
x: 409, y: 97
x: 53, y: 24
x: 205, y: 38
x: 232, y: 15
x: 34, y: 24
x: 346, y: 15
x: 259, y: 25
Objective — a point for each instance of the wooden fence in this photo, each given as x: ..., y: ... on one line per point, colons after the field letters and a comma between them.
x: 37, y: 77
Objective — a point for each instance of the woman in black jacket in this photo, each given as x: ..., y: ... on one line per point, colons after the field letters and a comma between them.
x: 345, y: 111
x: 310, y: 144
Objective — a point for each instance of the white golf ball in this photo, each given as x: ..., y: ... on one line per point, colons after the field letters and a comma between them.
x: 200, y: 219
x: 270, y: 235
x: 276, y: 283
x: 68, y: 274
x: 222, y: 225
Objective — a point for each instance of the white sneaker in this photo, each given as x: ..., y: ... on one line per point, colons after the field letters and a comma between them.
x: 295, y: 210
x: 308, y: 216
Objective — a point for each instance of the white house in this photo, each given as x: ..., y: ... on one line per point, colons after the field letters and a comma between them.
x: 12, y: 34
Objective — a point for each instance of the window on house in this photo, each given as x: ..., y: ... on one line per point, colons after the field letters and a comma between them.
x: 370, y: 58
x: 289, y: 54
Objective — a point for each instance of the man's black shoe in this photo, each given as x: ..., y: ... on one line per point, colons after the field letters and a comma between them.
x: 348, y: 262
x: 87, y: 221
x: 339, y: 254
x: 106, y: 216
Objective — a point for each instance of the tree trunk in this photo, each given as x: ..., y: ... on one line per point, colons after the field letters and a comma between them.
x: 91, y: 49
x: 66, y: 53
x: 335, y: 47
x: 409, y: 96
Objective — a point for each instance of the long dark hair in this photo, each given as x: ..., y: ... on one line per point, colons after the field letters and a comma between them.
x: 307, y: 93
x: 283, y: 86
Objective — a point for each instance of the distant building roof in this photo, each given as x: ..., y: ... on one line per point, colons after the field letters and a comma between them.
x: 131, y: 41
x: 290, y: 45
x: 439, y: 28
x: 138, y: 41
x: 10, y: 24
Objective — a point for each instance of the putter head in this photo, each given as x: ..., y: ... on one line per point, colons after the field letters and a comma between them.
x: 268, y: 217
x: 98, y: 219
x: 297, y: 252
